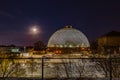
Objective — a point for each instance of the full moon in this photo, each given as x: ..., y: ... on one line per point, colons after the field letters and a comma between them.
x: 34, y: 30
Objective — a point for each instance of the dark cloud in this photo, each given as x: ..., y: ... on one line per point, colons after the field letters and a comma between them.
x: 5, y: 14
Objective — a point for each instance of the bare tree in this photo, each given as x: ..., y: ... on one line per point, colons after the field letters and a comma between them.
x: 10, y: 68
x: 102, y: 65
x: 108, y: 67
x: 116, y: 68
x: 39, y: 45
x: 70, y: 68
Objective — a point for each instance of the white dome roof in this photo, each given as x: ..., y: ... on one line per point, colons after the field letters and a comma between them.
x: 68, y: 37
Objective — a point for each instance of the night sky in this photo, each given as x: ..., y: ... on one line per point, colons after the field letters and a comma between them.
x: 92, y: 18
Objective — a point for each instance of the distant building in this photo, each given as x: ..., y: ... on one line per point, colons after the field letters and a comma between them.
x: 9, y: 50
x: 68, y: 40
x: 109, y: 42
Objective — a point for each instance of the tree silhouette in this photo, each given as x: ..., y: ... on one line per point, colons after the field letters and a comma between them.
x: 39, y: 45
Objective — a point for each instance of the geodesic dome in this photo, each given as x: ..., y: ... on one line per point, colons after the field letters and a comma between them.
x: 68, y: 37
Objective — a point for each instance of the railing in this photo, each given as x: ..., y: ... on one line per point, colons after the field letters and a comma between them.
x: 60, y: 68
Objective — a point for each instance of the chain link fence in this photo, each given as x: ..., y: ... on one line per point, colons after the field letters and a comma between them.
x: 60, y: 68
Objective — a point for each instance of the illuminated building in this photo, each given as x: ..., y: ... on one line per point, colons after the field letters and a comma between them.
x: 68, y: 40
x: 109, y: 41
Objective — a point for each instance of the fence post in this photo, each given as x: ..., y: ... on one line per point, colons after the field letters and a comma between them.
x: 110, y: 63
x: 42, y: 68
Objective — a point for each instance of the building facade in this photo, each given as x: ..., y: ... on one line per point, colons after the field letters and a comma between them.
x: 109, y: 42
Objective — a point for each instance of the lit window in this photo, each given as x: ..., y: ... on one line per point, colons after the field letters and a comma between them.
x: 82, y: 48
x: 70, y: 46
x: 56, y: 51
x: 56, y: 45
x: 77, y: 46
x: 61, y: 46
x: 65, y: 45
x: 52, y: 45
x: 59, y: 51
x: 82, y: 45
